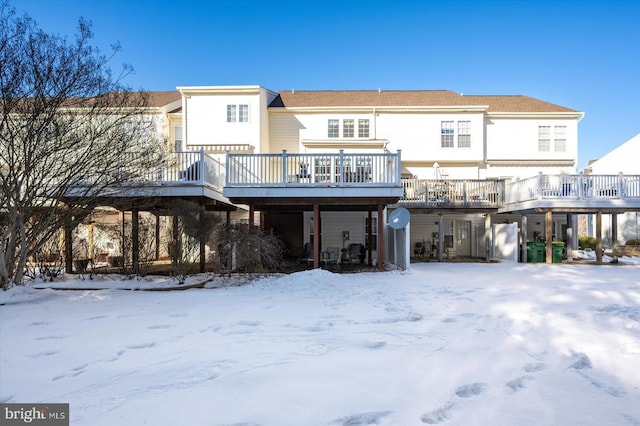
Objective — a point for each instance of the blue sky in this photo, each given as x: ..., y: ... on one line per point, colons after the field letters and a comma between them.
x: 583, y: 55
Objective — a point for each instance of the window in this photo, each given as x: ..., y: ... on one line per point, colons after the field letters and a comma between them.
x: 347, y: 128
x: 374, y: 233
x: 238, y: 113
x: 544, y: 138
x: 560, y: 141
x: 334, y: 129
x: 243, y: 113
x: 464, y: 134
x: 364, y: 169
x: 177, y: 138
x: 323, y: 169
x: 446, y: 134
x: 363, y: 128
x: 231, y: 113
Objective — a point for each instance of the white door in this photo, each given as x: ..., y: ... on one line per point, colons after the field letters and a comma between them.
x: 463, y: 238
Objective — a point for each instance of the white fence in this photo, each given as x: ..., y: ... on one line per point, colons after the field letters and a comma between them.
x: 279, y: 170
x: 574, y: 187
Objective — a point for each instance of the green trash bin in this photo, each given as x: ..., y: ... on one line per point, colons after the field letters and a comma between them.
x: 557, y: 249
x: 535, y: 251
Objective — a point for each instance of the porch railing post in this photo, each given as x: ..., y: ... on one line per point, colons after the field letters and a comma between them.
x: 341, y: 167
x: 580, y: 185
x: 621, y: 194
x: 284, y: 166
x: 201, y: 165
x: 398, y: 168
x: 540, y: 179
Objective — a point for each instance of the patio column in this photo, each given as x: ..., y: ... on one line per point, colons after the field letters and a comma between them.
x: 316, y: 235
x: 380, y: 238
x: 135, y: 240
x: 548, y: 236
x: 570, y: 232
x: 614, y: 230
x: 599, y: 237
x: 523, y: 237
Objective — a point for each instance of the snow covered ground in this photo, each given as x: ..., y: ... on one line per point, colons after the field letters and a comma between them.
x: 454, y: 344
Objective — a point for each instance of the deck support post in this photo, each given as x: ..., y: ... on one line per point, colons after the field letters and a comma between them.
x: 176, y: 243
x: 91, y: 249
x: 548, y: 236
x: 202, y: 242
x: 370, y: 237
x: 523, y: 237
x: 599, y: 237
x: 68, y: 246
x: 487, y: 237
x: 316, y: 236
x: 614, y: 230
x: 228, y: 217
x: 380, y: 262
x: 157, y: 236
x: 252, y: 212
x: 570, y: 232
x: 123, y: 239
x: 440, y: 238
x: 135, y: 240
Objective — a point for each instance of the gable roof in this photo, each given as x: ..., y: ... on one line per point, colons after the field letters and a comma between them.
x: 411, y: 98
x: 624, y: 159
x: 160, y: 99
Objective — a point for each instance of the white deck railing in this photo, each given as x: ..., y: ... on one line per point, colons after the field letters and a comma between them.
x: 317, y: 170
x: 453, y: 193
x: 178, y: 168
x: 574, y: 187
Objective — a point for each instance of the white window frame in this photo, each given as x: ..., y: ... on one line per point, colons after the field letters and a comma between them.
x: 363, y: 128
x: 333, y: 128
x: 560, y: 138
x: 348, y: 128
x: 177, y: 138
x: 243, y: 113
x: 544, y: 138
x: 374, y: 232
x: 464, y: 134
x: 232, y: 113
x: 446, y: 134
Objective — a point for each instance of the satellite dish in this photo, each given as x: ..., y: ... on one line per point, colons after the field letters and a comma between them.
x: 399, y: 218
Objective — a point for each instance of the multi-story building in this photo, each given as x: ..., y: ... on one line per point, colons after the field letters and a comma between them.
x: 322, y: 169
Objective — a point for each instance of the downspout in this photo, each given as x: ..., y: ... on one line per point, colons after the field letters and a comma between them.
x: 185, y: 133
x: 375, y: 125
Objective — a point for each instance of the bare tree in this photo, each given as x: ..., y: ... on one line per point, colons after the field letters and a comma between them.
x: 70, y: 133
x: 249, y: 249
x: 194, y: 230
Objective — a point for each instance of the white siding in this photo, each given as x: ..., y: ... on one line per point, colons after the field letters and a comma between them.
x: 206, y: 121
x: 333, y: 223
x: 517, y: 139
x: 284, y: 133
x: 418, y: 136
